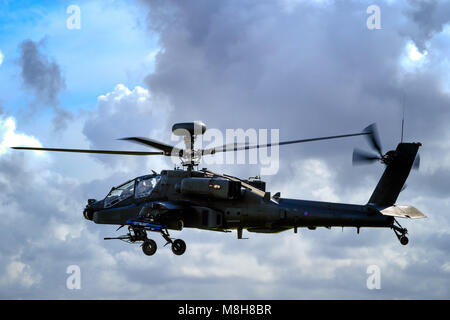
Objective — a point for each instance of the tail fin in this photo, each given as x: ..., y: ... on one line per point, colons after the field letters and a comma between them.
x: 399, y: 164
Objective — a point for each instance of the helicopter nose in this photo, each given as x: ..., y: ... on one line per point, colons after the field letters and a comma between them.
x: 88, y: 213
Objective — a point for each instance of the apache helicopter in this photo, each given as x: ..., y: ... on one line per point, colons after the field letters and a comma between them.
x: 189, y: 198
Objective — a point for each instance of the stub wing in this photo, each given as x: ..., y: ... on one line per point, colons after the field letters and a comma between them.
x: 403, y: 212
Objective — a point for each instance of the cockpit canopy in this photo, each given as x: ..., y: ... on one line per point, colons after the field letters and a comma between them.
x: 139, y: 188
x: 145, y: 185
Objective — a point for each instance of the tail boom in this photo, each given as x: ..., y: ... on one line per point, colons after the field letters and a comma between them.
x: 399, y: 164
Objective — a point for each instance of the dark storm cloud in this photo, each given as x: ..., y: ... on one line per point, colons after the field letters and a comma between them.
x: 310, y: 71
x: 428, y: 18
x: 44, y: 78
x: 281, y: 69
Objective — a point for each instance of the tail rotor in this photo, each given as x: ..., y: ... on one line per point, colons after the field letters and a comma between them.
x: 366, y: 157
x: 361, y: 157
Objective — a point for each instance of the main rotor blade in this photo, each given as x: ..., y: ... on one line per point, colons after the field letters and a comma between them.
x: 224, y: 148
x: 235, y: 147
x: 168, y: 149
x: 363, y: 157
x: 374, y: 138
x: 130, y: 153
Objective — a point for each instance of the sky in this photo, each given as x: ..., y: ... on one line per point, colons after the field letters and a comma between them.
x: 306, y: 68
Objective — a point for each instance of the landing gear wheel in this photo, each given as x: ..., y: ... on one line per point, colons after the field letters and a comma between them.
x: 149, y: 247
x: 404, y: 240
x: 178, y: 247
x: 400, y: 232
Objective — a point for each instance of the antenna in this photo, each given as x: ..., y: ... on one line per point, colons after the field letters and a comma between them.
x: 403, y: 116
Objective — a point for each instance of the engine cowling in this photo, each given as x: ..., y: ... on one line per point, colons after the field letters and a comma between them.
x: 218, y: 188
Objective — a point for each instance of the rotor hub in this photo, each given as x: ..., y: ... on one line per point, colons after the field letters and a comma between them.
x: 189, y: 130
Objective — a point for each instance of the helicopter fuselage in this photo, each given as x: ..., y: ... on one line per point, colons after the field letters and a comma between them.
x: 206, y: 200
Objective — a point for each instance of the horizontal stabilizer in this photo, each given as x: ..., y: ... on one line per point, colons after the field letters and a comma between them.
x: 403, y: 212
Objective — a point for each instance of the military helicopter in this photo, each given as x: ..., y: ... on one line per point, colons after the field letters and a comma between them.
x: 190, y: 198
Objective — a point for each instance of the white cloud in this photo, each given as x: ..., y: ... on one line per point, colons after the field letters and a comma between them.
x: 125, y: 112
x: 1, y: 57
x: 20, y: 273
x: 413, y: 52
x: 115, y: 101
x: 64, y: 231
x: 210, y: 260
x: 412, y: 58
x: 9, y: 137
x: 313, y: 178
x: 446, y: 267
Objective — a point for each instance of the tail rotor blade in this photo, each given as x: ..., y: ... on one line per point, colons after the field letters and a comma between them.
x: 363, y: 157
x: 416, y: 163
x: 374, y: 138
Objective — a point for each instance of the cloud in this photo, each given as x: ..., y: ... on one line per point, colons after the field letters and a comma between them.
x: 44, y: 78
x: 48, y: 208
x: 1, y: 57
x: 428, y: 18
x: 40, y: 74
x: 216, y: 63
x: 20, y: 273
x: 238, y: 71
x: 126, y: 113
x: 10, y: 138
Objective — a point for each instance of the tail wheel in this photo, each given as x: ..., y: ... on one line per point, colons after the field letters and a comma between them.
x: 149, y: 247
x: 404, y: 240
x: 178, y: 247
